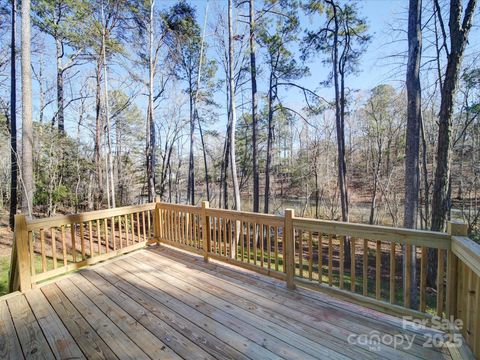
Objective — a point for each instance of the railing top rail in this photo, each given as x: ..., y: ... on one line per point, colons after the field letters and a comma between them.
x: 180, y: 207
x: 468, y: 251
x: 438, y: 240
x: 46, y: 223
x: 245, y: 215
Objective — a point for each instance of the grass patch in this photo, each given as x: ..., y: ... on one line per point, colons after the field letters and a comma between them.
x: 4, y: 268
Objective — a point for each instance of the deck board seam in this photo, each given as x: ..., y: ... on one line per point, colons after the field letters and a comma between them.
x: 183, y: 304
x: 271, y: 333
x: 336, y: 340
x: 270, y: 282
x: 108, y: 297
x: 171, y: 256
x: 334, y: 343
x: 176, y: 312
x: 79, y: 312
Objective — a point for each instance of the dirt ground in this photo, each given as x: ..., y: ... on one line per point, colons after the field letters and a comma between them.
x: 6, y: 236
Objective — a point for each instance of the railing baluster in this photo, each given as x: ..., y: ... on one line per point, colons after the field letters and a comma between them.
x: 352, y: 265
x: 64, y: 246
x: 54, y: 247
x: 320, y: 257
x: 105, y: 229
x: 392, y: 272
x: 407, y: 277
x: 310, y: 255
x: 99, y: 249
x: 440, y: 284
x: 378, y: 270
x: 330, y: 261
x: 262, y: 244
x: 300, y: 251
x: 254, y: 242
x: 139, y: 229
x: 423, y: 278
x: 42, y: 250
x: 248, y: 242
x: 242, y: 240
x: 82, y: 240
x: 269, y: 246
x: 341, y: 260
x: 275, y: 239
x: 120, y: 235
x: 74, y: 244
x: 114, y: 233
x: 365, y: 267
x: 90, y: 238
x: 145, y: 237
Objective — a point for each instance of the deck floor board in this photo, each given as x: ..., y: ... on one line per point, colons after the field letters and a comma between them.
x: 160, y: 303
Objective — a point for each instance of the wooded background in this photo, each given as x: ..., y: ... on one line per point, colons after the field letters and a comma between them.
x: 207, y: 100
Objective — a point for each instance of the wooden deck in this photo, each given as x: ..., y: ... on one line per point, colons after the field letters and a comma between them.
x: 160, y: 303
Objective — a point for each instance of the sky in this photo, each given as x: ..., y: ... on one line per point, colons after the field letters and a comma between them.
x: 376, y: 66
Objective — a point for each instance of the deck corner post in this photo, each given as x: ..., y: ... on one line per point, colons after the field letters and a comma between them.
x: 454, y: 229
x: 157, y: 226
x: 206, y: 230
x: 289, y: 248
x: 23, y: 266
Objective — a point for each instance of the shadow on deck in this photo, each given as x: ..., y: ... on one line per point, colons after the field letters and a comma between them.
x: 159, y: 303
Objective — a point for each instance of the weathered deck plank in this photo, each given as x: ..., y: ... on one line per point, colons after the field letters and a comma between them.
x: 9, y: 345
x: 160, y: 303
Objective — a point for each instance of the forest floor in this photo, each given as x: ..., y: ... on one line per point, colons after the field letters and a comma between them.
x: 5, y: 252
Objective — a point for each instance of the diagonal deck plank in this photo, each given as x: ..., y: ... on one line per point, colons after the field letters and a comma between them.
x: 306, y: 303
x: 60, y: 340
x: 117, y: 340
x: 86, y: 337
x: 152, y: 315
x: 160, y: 303
x: 9, y: 345
x: 327, y: 319
x: 33, y: 343
x: 144, y: 339
x: 302, y: 324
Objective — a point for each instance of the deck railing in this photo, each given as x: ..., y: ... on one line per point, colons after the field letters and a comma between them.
x: 368, y: 265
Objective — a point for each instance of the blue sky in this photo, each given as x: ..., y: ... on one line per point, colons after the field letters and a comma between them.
x: 376, y: 66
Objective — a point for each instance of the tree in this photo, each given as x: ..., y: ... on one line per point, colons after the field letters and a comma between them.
x: 343, y: 38
x: 27, y: 124
x: 459, y: 31
x: 185, y: 49
x: 63, y: 21
x: 412, y: 145
x: 283, y: 70
x: 13, y: 119
x: 233, y: 113
x: 253, y: 74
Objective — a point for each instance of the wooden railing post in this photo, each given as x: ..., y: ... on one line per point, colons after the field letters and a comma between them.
x: 289, y: 248
x: 23, y: 257
x: 453, y: 229
x: 205, y: 230
x: 157, y: 226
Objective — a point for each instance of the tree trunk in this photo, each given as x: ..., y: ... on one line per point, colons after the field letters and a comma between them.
x: 150, y: 138
x: 98, y: 134
x: 268, y: 164
x: 60, y: 97
x: 458, y: 40
x: 191, y: 170
x: 253, y: 74
x: 27, y: 125
x: 412, y: 146
x: 110, y: 177
x: 13, y: 119
x: 233, y: 112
